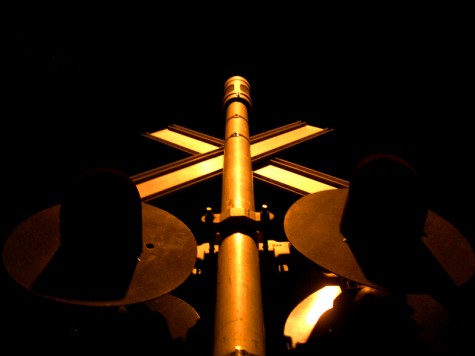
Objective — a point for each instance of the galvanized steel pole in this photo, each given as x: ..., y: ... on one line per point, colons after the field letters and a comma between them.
x: 239, y: 321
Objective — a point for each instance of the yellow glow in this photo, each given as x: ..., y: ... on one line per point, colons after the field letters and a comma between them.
x: 293, y: 179
x: 323, y: 301
x: 304, y: 317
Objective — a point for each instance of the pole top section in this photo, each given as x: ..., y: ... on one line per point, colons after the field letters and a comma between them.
x: 237, y: 88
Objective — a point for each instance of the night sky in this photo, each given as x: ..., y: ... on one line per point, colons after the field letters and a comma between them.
x: 80, y: 81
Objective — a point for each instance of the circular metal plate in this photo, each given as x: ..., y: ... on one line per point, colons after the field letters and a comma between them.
x: 33, y: 258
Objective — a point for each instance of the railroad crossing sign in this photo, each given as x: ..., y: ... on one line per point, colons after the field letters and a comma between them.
x: 239, y: 321
x: 236, y: 247
x: 206, y: 161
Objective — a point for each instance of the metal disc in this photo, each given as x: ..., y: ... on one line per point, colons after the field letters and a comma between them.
x: 443, y: 258
x: 33, y: 258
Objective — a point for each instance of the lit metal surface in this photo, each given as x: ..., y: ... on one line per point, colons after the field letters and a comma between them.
x: 162, y: 183
x: 180, y: 177
x: 442, y: 258
x: 187, y: 142
x: 292, y: 179
x: 284, y: 139
x: 32, y: 254
x: 239, y: 319
x: 180, y: 316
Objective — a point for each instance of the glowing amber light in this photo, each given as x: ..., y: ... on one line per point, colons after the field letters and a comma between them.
x: 304, y: 317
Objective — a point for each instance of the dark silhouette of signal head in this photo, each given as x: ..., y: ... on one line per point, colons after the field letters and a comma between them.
x: 101, y: 217
x: 386, y: 203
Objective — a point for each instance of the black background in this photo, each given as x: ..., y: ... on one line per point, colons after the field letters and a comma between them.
x: 83, y: 82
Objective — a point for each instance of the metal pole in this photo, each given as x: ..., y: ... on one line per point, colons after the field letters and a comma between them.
x: 239, y: 321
